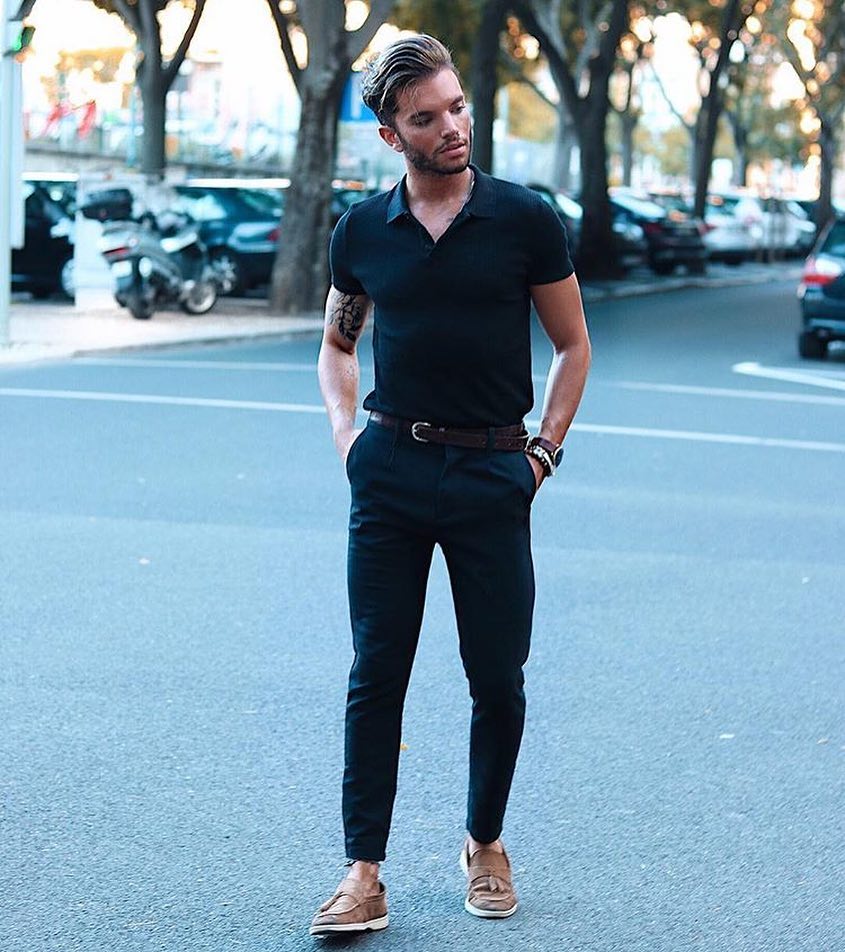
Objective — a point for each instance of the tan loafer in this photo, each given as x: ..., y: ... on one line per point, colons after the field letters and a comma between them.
x: 351, y: 910
x: 490, y: 892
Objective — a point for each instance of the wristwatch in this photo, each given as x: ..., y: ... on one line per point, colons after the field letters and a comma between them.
x: 547, y: 454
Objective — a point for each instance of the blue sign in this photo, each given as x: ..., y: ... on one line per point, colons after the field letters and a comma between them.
x: 352, y: 108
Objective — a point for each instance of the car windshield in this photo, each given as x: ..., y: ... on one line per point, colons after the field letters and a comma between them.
x: 834, y: 244
x: 569, y: 206
x: 201, y: 206
x: 640, y: 206
x: 795, y: 209
x: 265, y: 201
x: 723, y: 204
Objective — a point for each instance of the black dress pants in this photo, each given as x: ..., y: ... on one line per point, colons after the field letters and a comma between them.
x: 408, y: 497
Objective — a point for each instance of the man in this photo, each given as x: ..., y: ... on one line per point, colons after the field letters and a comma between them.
x: 449, y: 262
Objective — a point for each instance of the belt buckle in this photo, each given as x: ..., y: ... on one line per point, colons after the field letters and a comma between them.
x: 415, y: 435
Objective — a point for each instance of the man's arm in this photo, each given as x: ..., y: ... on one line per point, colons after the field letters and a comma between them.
x: 561, y: 314
x: 337, y: 366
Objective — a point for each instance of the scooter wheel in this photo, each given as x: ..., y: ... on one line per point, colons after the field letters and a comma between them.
x: 139, y: 308
x: 201, y: 298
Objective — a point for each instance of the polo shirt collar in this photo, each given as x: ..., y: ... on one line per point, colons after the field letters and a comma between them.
x: 482, y: 202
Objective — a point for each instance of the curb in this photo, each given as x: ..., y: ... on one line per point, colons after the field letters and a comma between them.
x: 591, y: 294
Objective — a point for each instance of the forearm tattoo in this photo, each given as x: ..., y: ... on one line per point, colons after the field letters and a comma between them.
x: 348, y: 314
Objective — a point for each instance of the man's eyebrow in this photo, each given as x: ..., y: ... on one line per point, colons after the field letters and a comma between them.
x: 422, y: 113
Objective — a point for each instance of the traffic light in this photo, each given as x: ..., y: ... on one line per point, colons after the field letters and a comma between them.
x: 22, y: 41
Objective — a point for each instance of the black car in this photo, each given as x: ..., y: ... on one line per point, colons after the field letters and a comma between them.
x: 239, y: 224
x: 44, y: 265
x: 822, y: 293
x: 673, y: 239
x: 629, y: 242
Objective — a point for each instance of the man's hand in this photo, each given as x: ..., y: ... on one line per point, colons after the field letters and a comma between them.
x: 343, y: 441
x: 539, y: 472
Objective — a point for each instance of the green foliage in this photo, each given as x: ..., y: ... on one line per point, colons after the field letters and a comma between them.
x: 529, y: 115
x: 454, y: 22
x: 672, y: 150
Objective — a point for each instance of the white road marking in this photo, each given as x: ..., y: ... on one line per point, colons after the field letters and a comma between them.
x: 822, y: 378
x: 195, y: 364
x: 774, y: 395
x: 603, y: 429
x: 694, y: 436
x: 158, y: 399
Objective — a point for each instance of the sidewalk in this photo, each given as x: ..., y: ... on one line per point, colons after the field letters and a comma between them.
x: 54, y: 331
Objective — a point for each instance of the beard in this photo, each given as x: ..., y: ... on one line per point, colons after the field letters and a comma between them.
x: 423, y: 162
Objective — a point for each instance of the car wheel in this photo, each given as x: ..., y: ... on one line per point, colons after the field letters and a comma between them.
x: 662, y: 267
x: 40, y: 292
x: 697, y: 267
x: 811, y: 346
x: 228, y: 272
x: 67, y: 279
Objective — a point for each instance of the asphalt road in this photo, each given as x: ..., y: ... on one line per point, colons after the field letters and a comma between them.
x: 175, y: 648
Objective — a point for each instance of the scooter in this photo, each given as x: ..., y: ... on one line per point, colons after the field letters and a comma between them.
x: 156, y: 263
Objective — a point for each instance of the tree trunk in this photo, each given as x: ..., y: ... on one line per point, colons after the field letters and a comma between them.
x: 596, y: 253
x: 565, y: 140
x: 629, y: 124
x: 740, y: 134
x: 300, y: 273
x: 154, y: 99
x: 485, y: 81
x: 711, y: 105
x: 704, y: 145
x: 828, y: 144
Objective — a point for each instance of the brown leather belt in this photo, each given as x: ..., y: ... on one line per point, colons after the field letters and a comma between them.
x: 511, y: 438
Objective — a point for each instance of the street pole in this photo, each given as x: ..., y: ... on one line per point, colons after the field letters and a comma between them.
x: 7, y: 68
x: 11, y: 153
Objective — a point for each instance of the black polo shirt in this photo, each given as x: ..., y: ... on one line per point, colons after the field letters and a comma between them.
x: 451, y: 325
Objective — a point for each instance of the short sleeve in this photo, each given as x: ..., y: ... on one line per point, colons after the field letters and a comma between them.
x: 550, y: 259
x: 343, y: 278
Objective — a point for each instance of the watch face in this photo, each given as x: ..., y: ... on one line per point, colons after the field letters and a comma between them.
x: 558, y: 456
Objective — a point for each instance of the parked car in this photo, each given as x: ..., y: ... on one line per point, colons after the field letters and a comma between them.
x: 729, y: 235
x: 803, y: 224
x: 44, y: 265
x: 780, y: 226
x: 630, y: 244
x: 673, y: 239
x: 822, y: 293
x: 238, y: 223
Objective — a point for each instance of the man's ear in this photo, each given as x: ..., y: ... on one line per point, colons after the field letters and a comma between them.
x: 391, y: 138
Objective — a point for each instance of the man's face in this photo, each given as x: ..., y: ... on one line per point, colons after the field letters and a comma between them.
x: 432, y: 125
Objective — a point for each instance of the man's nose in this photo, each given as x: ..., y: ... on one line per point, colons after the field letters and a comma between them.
x: 450, y: 127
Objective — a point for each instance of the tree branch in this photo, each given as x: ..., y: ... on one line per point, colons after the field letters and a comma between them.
x: 283, y: 25
x: 517, y: 76
x: 178, y: 58
x: 564, y: 80
x: 129, y: 15
x: 674, y: 110
x: 358, y: 40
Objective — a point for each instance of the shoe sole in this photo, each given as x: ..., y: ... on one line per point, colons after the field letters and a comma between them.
x: 373, y: 924
x: 483, y: 913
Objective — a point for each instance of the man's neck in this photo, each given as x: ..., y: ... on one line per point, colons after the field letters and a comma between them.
x: 430, y: 188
